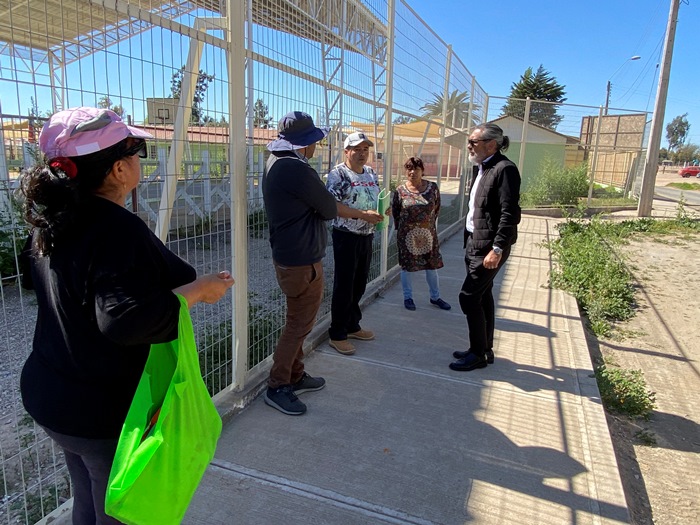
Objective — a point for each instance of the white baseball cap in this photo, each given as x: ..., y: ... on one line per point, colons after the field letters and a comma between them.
x: 357, y: 138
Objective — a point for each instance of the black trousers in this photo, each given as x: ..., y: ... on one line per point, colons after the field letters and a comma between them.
x: 352, y: 254
x: 476, y: 297
x: 89, y: 463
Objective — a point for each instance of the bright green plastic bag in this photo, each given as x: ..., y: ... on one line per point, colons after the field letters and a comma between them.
x: 382, y: 205
x: 153, y: 478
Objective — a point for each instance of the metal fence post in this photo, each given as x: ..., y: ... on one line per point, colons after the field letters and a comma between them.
x: 595, y: 157
x: 523, y: 136
x: 237, y: 161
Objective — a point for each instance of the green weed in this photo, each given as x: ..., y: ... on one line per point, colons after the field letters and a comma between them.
x: 625, y: 391
x: 586, y: 265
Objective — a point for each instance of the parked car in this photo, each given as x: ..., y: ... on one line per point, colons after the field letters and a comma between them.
x: 689, y: 171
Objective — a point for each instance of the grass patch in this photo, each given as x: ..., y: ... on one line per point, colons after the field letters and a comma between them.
x: 691, y: 186
x: 625, y: 391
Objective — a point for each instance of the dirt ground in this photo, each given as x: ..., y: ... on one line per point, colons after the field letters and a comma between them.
x: 659, y: 459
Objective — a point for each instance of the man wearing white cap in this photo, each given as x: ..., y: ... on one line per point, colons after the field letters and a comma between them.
x: 297, y: 206
x: 356, y: 188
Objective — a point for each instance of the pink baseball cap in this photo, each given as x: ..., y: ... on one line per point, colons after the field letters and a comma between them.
x: 80, y: 131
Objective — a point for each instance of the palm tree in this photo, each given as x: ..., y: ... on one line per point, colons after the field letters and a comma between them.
x: 457, y: 109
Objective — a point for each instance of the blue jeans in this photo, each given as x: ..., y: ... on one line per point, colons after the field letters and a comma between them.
x: 431, y: 276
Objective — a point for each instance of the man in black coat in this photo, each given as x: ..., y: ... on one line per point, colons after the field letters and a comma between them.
x: 491, y: 230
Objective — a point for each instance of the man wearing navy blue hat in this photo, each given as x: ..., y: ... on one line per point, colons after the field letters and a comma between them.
x: 297, y: 205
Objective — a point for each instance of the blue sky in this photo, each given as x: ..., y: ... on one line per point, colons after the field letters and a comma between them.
x: 583, y: 44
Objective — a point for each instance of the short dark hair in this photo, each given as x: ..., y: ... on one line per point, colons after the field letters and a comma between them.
x: 490, y: 131
x: 413, y: 163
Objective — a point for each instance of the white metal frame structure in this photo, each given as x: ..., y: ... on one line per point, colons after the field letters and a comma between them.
x: 350, y: 63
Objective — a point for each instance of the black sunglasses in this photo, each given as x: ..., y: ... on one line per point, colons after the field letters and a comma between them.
x: 473, y: 143
x: 139, y: 149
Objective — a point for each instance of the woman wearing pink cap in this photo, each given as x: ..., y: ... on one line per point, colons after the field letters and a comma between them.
x: 105, y: 288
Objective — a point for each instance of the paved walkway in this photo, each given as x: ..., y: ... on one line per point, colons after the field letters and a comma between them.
x: 397, y: 437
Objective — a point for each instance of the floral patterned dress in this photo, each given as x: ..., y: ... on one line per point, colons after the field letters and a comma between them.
x: 415, y: 216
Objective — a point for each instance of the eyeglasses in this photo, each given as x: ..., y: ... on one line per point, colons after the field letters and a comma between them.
x: 139, y: 149
x: 473, y: 143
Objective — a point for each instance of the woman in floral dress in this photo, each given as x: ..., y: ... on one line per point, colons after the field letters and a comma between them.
x: 415, y: 206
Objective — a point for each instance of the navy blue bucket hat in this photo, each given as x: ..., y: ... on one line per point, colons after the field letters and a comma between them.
x: 296, y: 130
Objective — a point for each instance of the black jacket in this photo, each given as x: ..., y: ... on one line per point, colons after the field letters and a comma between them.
x: 297, y: 204
x: 496, y: 206
x: 104, y: 296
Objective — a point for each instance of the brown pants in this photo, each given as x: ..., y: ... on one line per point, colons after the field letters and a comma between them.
x: 303, y: 287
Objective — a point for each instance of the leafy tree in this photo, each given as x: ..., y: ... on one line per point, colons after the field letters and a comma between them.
x: 457, y: 109
x: 403, y: 119
x: 203, y: 80
x: 261, y: 116
x: 663, y: 154
x: 677, y: 132
x: 540, y: 86
x: 211, y: 122
x: 106, y: 103
x: 687, y: 153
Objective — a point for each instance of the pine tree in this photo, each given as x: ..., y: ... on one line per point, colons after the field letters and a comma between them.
x: 261, y: 117
x: 540, y: 86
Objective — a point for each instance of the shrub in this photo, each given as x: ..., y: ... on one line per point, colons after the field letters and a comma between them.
x: 556, y: 185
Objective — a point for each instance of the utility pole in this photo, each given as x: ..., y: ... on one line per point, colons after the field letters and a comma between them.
x: 646, y: 195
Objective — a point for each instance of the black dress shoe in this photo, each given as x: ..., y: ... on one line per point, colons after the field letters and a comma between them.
x: 469, y: 362
x: 457, y: 354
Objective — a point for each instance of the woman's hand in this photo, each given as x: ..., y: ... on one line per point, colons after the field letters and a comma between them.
x: 206, y: 289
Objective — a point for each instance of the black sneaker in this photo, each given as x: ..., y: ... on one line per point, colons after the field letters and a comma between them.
x: 442, y: 305
x: 409, y: 304
x: 285, y: 400
x: 308, y: 384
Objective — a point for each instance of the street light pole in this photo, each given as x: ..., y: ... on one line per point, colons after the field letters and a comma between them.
x: 646, y: 196
x: 609, y: 85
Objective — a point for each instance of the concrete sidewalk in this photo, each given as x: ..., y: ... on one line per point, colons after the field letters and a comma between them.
x: 397, y: 437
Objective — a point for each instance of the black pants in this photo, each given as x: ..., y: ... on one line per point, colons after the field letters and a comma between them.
x: 352, y: 254
x: 476, y: 298
x: 89, y: 463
